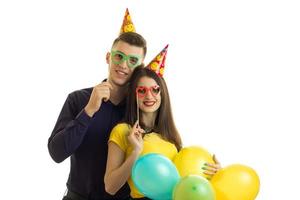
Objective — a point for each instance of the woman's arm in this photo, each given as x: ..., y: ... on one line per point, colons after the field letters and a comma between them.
x: 118, y: 170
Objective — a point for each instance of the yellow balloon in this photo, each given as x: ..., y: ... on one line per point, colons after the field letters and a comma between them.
x: 236, y: 182
x: 190, y: 160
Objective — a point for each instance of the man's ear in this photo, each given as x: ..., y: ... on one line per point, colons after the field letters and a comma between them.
x: 107, y: 57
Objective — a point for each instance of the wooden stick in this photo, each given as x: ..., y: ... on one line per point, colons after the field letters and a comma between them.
x: 137, y: 109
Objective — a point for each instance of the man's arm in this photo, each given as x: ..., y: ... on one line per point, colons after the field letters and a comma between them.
x: 73, y: 121
x: 69, y: 130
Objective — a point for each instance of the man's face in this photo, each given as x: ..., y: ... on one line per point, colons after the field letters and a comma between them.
x: 122, y: 60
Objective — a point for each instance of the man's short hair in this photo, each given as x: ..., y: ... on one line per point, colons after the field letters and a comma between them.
x: 132, y: 38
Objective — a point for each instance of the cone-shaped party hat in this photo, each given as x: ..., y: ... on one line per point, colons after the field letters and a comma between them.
x: 127, y: 25
x: 158, y: 63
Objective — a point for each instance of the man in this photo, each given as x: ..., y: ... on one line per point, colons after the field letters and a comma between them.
x: 87, y: 117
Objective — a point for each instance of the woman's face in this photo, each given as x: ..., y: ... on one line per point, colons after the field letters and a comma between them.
x: 148, y: 95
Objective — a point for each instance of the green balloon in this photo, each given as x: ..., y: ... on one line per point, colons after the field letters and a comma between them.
x: 193, y: 187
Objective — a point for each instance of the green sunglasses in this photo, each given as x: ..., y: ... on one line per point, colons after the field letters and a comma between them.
x: 119, y: 57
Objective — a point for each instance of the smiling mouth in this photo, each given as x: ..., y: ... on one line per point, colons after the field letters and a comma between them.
x: 149, y: 103
x: 121, y: 73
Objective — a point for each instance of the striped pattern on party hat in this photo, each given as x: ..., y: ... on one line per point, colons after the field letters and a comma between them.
x: 127, y: 25
x: 158, y: 63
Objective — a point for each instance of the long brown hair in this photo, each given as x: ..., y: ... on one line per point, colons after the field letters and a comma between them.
x: 164, y: 123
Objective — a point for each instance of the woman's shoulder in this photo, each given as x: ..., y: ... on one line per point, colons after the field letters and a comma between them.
x: 122, y: 128
x: 119, y: 135
x: 123, y: 125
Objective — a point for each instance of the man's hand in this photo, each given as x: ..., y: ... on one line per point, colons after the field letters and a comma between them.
x: 100, y: 92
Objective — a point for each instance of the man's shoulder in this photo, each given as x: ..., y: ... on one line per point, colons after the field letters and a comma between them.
x: 79, y: 98
x: 86, y: 92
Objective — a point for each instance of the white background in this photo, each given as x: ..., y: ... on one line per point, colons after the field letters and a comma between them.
x: 232, y: 71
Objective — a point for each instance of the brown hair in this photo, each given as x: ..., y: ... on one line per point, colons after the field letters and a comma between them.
x: 132, y: 38
x: 164, y: 123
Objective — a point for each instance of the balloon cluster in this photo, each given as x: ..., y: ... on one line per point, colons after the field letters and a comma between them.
x: 158, y: 178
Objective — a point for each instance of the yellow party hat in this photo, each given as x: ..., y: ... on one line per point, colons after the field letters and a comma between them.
x: 127, y: 25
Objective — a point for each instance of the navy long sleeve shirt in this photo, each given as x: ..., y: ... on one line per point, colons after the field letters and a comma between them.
x: 85, y: 140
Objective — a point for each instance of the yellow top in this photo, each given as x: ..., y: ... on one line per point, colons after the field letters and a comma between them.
x: 153, y: 143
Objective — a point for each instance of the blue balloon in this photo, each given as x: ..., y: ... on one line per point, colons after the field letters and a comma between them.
x: 155, y: 176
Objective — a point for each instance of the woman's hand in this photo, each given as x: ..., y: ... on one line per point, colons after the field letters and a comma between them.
x: 135, y: 138
x: 212, y: 168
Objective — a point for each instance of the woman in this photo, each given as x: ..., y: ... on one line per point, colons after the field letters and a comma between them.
x: 154, y: 132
